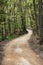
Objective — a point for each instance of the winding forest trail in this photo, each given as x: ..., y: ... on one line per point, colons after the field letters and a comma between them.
x: 19, y: 52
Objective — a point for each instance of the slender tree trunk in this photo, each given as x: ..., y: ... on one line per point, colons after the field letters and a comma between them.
x: 2, y: 33
x: 40, y: 21
x: 23, y: 18
x: 5, y: 33
x: 9, y: 27
x: 15, y: 19
x: 34, y: 4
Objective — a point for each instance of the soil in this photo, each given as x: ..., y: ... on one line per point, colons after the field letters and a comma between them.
x: 19, y: 52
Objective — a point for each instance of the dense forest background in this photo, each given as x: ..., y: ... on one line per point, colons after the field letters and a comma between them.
x: 18, y: 15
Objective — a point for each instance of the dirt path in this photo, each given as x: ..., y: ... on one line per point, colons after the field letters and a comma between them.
x: 18, y: 52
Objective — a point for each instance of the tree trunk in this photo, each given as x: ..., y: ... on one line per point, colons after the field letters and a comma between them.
x: 23, y: 18
x: 40, y: 21
x: 34, y: 4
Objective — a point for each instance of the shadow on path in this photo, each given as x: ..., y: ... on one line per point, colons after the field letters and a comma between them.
x: 2, y: 44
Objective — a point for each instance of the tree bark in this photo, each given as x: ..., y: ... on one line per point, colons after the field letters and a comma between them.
x: 34, y: 4
x: 40, y: 21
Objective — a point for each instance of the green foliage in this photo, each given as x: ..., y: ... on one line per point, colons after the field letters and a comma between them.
x: 15, y: 16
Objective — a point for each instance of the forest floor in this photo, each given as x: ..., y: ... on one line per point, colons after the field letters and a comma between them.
x: 19, y: 52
